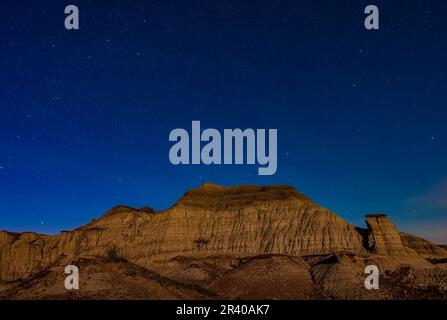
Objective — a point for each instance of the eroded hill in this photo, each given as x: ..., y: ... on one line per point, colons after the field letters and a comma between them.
x: 224, y: 242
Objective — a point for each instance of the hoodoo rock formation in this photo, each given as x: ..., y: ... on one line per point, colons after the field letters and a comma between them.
x: 224, y: 242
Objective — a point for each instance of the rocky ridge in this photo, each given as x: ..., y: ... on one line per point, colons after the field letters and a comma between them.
x: 229, y: 241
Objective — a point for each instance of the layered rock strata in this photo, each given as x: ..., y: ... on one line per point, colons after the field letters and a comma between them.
x: 218, y: 228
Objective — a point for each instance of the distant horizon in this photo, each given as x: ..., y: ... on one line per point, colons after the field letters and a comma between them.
x: 390, y: 216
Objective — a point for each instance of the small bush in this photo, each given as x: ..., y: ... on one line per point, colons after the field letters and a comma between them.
x: 434, y: 289
x: 112, y: 255
x: 201, y: 242
x: 147, y: 209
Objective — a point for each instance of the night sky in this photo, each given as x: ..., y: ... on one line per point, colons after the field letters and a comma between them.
x: 85, y: 115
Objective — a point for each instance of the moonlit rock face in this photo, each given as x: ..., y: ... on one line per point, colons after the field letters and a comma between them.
x: 222, y: 227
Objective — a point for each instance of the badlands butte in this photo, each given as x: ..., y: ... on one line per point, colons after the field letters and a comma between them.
x: 243, y: 242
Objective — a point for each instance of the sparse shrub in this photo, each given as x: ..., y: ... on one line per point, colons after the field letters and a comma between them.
x: 112, y: 255
x: 201, y: 242
x: 147, y: 209
x: 434, y: 289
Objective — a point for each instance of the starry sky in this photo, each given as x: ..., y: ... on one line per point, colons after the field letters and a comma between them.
x: 86, y: 115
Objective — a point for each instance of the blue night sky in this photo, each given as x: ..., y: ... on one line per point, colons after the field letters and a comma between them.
x: 85, y: 115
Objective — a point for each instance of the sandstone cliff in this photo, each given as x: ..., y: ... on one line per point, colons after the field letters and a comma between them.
x: 423, y: 247
x: 211, y: 235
